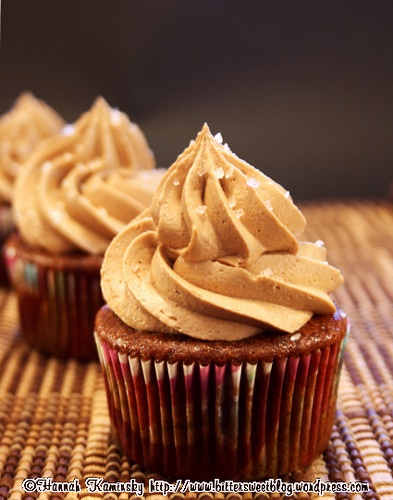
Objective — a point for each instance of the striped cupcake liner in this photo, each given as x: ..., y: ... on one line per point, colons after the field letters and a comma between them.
x: 57, y: 307
x: 7, y: 226
x: 246, y: 421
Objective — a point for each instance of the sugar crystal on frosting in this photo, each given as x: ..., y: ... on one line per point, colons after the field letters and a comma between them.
x: 232, y: 201
x: 218, y: 137
x: 68, y: 130
x: 57, y: 215
x: 239, y: 212
x: 176, y: 182
x: 115, y: 116
x: 219, y: 172
x: 296, y: 336
x: 268, y: 273
x: 229, y: 172
x: 254, y: 183
x: 201, y: 209
x: 202, y: 171
x: 269, y: 205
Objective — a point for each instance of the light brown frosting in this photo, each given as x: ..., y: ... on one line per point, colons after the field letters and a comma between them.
x: 84, y: 185
x: 217, y: 256
x: 21, y: 129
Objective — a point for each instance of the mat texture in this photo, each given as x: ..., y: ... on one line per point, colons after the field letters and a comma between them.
x: 53, y: 415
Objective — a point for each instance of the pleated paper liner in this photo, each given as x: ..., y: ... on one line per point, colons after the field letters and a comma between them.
x: 58, y: 298
x: 7, y: 227
x: 232, y: 421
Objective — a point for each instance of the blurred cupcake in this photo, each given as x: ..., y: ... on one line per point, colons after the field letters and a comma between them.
x: 22, y: 129
x: 74, y: 194
x: 220, y: 346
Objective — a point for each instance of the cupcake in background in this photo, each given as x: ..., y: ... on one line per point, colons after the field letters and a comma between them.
x: 220, y: 346
x: 76, y: 192
x: 22, y: 129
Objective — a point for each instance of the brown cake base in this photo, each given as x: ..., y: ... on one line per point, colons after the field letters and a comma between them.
x: 58, y: 298
x: 251, y: 409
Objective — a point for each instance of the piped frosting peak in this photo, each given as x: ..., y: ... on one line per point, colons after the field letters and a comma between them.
x: 218, y: 255
x: 22, y: 129
x: 82, y: 186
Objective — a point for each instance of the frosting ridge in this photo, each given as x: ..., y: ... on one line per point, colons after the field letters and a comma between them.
x: 217, y: 256
x: 91, y: 179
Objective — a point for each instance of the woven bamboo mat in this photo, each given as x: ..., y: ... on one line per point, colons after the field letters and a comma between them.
x: 53, y: 415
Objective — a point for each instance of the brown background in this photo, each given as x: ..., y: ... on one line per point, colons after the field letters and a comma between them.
x: 300, y: 89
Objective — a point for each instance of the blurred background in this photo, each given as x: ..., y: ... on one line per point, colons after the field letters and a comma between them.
x: 300, y: 89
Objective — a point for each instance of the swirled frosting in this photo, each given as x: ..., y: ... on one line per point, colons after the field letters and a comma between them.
x: 217, y: 256
x: 82, y: 186
x: 21, y: 129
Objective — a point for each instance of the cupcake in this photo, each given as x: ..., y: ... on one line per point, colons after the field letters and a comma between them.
x: 220, y: 346
x: 74, y: 194
x: 22, y: 129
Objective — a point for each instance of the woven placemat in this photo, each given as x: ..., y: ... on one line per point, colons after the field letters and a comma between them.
x: 54, y: 420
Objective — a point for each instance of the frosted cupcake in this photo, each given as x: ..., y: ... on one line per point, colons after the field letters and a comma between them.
x: 220, y: 345
x: 22, y: 129
x: 74, y: 194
